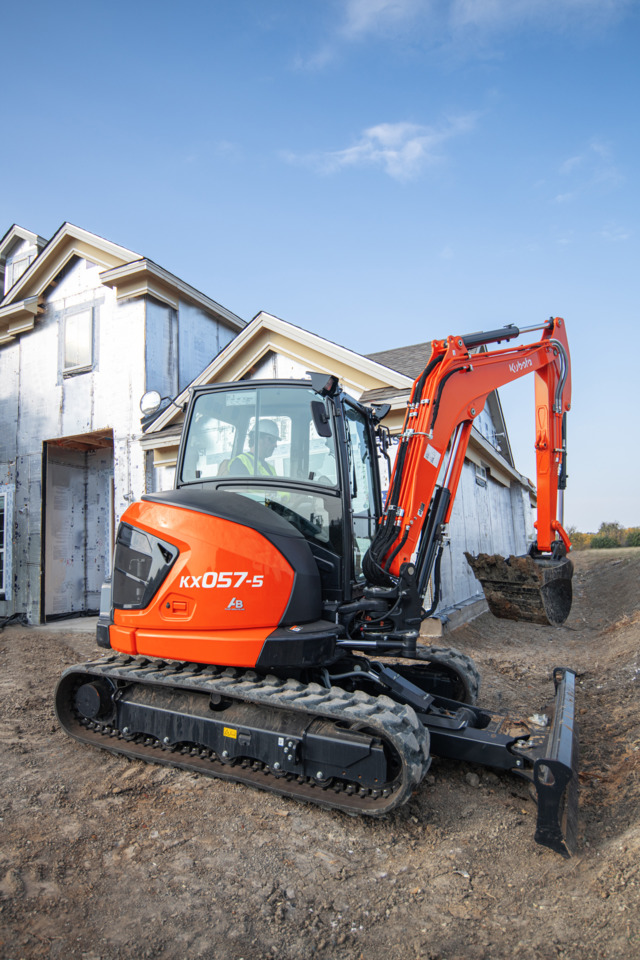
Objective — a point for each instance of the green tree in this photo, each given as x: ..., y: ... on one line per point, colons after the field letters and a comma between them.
x: 614, y: 531
x: 602, y: 541
x: 632, y: 537
x: 579, y: 541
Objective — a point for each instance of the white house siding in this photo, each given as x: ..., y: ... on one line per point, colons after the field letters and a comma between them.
x: 39, y: 404
x: 275, y: 366
x: 70, y: 457
x: 199, y: 342
x: 161, y: 348
x: 485, y: 519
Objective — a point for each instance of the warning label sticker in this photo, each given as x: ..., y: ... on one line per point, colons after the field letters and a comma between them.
x: 432, y: 455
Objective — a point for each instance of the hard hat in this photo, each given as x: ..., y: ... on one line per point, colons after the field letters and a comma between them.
x: 270, y: 428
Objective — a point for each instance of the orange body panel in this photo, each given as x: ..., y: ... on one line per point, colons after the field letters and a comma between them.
x: 455, y: 393
x: 231, y: 648
x: 226, y: 592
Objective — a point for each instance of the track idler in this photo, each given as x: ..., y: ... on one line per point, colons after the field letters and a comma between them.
x: 535, y: 589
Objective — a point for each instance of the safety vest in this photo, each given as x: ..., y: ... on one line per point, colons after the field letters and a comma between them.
x: 264, y: 469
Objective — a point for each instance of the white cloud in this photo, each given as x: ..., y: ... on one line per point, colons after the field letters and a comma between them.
x: 614, y: 233
x: 499, y: 15
x: 360, y: 20
x: 464, y: 25
x: 371, y: 16
x: 594, y: 168
x: 402, y: 150
x: 570, y: 165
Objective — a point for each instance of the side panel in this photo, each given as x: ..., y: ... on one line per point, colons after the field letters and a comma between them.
x: 226, y: 592
x: 233, y: 648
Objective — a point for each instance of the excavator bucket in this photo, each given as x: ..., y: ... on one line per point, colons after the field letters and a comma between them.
x: 537, y: 590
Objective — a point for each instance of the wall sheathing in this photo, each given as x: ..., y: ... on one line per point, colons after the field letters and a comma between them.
x: 161, y: 348
x: 488, y: 517
x: 38, y: 403
x: 199, y: 341
x: 138, y: 344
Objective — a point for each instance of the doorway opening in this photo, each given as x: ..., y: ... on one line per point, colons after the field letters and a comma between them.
x: 78, y: 523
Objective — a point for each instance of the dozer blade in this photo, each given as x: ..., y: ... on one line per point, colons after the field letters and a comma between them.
x: 537, y: 590
x: 555, y: 774
x: 543, y: 753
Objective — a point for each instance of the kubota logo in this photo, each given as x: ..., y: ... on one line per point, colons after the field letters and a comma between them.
x: 225, y: 578
x: 520, y: 365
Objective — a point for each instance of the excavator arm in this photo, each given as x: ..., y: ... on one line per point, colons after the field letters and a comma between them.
x: 446, y: 398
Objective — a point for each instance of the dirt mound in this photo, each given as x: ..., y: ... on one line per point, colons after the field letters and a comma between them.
x: 106, y: 858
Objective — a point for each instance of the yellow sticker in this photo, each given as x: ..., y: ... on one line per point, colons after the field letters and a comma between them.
x: 230, y: 732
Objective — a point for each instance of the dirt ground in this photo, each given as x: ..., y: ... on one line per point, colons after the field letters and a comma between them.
x: 103, y: 857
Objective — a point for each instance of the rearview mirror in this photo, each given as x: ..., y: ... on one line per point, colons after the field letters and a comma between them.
x: 320, y: 418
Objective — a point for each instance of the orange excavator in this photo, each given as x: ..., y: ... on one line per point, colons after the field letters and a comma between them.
x: 263, y: 618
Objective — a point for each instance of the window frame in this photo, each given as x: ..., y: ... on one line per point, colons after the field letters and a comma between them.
x: 481, y: 474
x: 69, y: 314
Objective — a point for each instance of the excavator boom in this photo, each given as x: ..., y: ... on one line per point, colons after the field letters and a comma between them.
x: 447, y: 396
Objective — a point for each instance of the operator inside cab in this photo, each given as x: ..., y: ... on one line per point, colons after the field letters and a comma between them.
x: 254, y: 461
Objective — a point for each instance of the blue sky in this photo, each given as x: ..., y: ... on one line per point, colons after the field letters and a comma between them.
x: 380, y: 172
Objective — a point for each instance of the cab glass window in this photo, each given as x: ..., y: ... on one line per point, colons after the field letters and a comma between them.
x: 361, y: 486
x: 263, y: 432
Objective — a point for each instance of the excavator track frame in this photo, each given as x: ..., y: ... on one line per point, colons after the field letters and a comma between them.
x: 395, y: 726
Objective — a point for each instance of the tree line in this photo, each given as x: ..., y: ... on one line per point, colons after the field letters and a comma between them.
x: 609, y: 535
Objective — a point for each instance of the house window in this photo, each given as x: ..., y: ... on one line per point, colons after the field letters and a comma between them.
x: 481, y: 474
x: 15, y: 268
x: 78, y: 341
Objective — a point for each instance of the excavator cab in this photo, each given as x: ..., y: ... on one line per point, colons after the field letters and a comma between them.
x: 307, y: 457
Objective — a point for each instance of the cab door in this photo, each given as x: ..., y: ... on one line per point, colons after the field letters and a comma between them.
x: 363, y: 485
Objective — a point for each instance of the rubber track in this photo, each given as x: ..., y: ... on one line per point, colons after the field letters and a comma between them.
x: 460, y: 663
x: 393, y: 723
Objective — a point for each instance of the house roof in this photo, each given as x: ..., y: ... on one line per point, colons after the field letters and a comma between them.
x: 367, y: 377
x: 409, y: 360
x: 265, y: 333
x: 19, y: 233
x: 68, y: 241
x: 125, y: 270
x: 143, y: 276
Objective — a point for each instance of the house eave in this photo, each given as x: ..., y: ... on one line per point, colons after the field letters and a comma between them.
x: 67, y: 242
x: 145, y: 278
x: 156, y: 441
x: 17, y: 318
x: 19, y: 233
